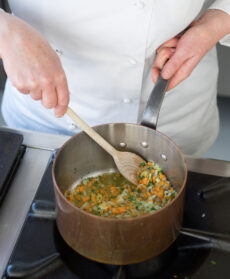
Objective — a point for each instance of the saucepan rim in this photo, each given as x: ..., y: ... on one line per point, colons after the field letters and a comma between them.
x: 110, y: 219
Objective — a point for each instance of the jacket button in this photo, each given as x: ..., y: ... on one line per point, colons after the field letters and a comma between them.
x: 59, y: 52
x: 72, y: 126
x: 127, y: 100
x: 132, y: 61
x: 139, y: 4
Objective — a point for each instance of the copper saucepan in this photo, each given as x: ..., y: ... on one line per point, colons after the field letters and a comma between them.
x: 110, y: 240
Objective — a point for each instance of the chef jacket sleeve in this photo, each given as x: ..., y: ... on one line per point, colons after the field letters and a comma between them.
x: 223, y: 5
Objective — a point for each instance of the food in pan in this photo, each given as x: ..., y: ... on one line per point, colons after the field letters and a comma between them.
x: 111, y: 195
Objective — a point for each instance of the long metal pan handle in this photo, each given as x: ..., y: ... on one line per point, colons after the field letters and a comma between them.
x: 153, y: 106
x: 152, y: 109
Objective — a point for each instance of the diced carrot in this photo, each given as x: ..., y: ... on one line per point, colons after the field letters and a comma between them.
x: 121, y: 209
x: 115, y: 211
x: 167, y: 184
x: 154, y: 179
x: 85, y: 199
x: 90, y: 183
x: 114, y: 190
x: 81, y: 189
x: 93, y: 198
x: 160, y: 195
x: 145, y: 181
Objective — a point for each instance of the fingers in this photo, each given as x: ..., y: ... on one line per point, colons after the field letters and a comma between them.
x: 36, y: 94
x: 60, y: 110
x: 155, y: 74
x: 49, y: 97
x: 170, y: 43
x: 174, y: 64
x: 57, y: 97
x: 163, y: 55
x: 177, y: 69
x: 62, y: 96
x: 161, y: 58
x: 52, y: 94
x: 183, y: 72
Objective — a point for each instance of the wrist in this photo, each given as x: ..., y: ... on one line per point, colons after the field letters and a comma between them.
x: 216, y: 22
x: 3, y: 28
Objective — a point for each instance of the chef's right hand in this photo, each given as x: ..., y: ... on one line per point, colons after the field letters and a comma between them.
x: 31, y: 65
x: 187, y: 49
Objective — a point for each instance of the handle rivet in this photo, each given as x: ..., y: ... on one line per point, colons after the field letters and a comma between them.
x: 144, y: 144
x: 122, y: 144
x: 164, y: 157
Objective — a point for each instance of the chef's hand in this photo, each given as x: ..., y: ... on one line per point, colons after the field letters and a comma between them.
x: 32, y: 66
x: 186, y: 50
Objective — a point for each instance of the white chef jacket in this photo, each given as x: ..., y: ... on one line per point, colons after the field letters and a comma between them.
x: 107, y: 48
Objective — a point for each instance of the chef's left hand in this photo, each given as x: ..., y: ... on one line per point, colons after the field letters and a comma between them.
x: 185, y: 51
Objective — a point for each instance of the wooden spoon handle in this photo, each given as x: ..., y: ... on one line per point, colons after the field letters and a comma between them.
x: 91, y: 132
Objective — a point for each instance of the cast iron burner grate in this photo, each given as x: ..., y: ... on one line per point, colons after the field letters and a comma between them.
x: 202, y: 249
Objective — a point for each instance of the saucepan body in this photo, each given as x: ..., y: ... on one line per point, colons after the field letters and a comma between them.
x: 112, y: 240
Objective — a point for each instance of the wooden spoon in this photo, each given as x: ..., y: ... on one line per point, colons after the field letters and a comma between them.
x: 126, y: 162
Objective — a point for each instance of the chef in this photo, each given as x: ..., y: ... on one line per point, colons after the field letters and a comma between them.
x: 102, y: 57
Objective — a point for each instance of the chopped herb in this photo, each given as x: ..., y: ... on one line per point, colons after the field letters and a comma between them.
x: 213, y: 262
x: 139, y: 176
x: 131, y: 198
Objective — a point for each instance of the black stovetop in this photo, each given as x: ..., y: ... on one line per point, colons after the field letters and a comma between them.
x: 202, y: 249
